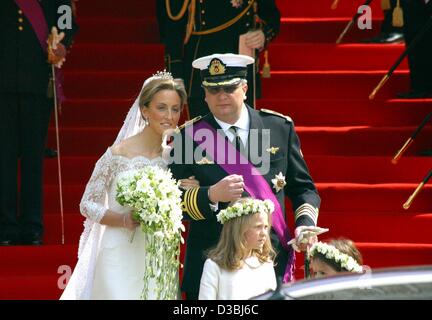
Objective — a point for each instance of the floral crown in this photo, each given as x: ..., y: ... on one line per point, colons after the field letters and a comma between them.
x: 332, y: 253
x: 244, y: 208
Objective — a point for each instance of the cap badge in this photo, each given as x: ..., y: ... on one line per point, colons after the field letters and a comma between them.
x: 216, y: 67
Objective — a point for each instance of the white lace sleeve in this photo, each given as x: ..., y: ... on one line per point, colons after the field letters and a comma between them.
x: 93, y: 203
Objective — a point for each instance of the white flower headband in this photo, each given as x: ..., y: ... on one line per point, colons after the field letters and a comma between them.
x: 244, y: 208
x: 332, y: 253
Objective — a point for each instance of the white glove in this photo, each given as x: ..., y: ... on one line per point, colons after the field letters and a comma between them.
x: 305, y: 236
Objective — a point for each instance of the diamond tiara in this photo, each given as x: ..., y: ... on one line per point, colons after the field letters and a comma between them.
x: 163, y: 75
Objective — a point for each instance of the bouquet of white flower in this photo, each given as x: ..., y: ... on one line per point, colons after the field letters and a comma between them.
x: 155, y: 199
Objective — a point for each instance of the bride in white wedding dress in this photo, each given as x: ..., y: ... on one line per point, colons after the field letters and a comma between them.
x: 110, y: 266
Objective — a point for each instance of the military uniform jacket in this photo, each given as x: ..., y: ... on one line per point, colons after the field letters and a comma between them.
x: 23, y: 62
x: 204, y: 230
x: 210, y: 14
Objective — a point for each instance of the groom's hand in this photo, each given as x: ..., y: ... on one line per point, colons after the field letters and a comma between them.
x: 188, y: 183
x: 303, y: 239
x: 228, y: 189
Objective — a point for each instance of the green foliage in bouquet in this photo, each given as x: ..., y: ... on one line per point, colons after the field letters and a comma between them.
x: 155, y: 199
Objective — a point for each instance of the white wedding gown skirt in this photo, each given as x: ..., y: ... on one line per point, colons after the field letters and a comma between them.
x: 120, y: 265
x: 113, y: 267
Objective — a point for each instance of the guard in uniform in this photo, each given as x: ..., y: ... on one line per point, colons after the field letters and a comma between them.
x: 25, y: 107
x: 213, y: 26
x: 416, y: 14
x: 389, y: 33
x: 282, y: 169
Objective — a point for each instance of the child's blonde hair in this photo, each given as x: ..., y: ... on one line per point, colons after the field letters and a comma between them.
x: 231, y: 249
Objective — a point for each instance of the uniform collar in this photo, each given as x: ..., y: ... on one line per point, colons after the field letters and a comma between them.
x: 242, y: 123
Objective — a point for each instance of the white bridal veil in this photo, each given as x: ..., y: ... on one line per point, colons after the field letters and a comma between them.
x: 79, y: 286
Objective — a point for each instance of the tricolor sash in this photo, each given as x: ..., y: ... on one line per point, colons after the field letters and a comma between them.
x: 255, y: 184
x: 33, y: 11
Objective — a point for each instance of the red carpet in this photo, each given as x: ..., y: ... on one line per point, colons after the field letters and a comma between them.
x: 348, y: 141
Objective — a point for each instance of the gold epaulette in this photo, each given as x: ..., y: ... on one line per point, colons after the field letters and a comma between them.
x: 277, y: 114
x: 187, y: 123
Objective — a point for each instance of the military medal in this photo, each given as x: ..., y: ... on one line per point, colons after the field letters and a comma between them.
x: 273, y: 150
x: 279, y: 182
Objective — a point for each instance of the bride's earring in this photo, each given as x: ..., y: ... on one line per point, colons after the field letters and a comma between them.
x: 146, y: 122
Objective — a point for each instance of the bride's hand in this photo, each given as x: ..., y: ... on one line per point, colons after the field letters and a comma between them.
x: 129, y: 222
x: 191, y: 182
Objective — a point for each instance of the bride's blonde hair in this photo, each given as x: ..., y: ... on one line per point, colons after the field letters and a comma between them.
x: 159, y: 84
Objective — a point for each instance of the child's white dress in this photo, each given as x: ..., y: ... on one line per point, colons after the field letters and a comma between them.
x: 253, y: 279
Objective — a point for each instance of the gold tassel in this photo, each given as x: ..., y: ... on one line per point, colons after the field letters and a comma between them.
x: 266, y: 66
x: 385, y: 4
x: 398, y: 20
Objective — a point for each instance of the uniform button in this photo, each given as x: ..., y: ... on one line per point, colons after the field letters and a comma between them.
x: 248, y: 13
x: 19, y: 12
x: 20, y: 28
x: 247, y: 24
x: 202, y: 11
x: 20, y: 19
x: 203, y: 23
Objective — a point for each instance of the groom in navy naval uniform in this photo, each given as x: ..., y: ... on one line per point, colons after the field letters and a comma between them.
x: 281, y: 167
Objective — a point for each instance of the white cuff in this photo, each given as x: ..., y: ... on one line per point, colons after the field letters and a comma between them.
x: 214, y: 207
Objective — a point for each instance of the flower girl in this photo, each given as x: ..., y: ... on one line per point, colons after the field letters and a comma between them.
x: 241, y: 265
x: 339, y: 255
